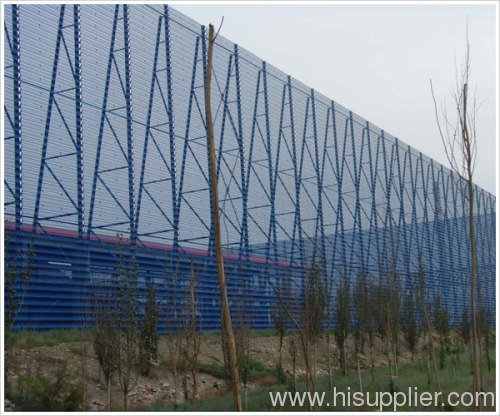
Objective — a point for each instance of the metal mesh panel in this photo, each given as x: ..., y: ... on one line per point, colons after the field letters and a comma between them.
x: 114, y: 149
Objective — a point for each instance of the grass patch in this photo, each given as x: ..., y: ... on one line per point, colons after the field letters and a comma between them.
x: 262, y: 333
x: 455, y: 378
x: 29, y: 339
x: 256, y: 369
x: 214, y: 369
x: 216, y: 334
x: 78, y: 350
x: 36, y: 392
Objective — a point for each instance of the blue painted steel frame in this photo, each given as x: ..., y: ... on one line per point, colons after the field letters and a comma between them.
x: 356, y: 200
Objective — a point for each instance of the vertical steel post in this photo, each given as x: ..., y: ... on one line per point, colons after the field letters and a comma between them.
x: 130, y: 141
x: 320, y: 225
x: 373, y: 184
x: 297, y: 224
x: 244, y: 241
x: 280, y: 138
x: 171, y: 128
x: 357, y: 166
x: 415, y: 232
x: 402, y: 216
x: 388, y: 213
x: 271, y: 238
x: 79, y: 119
x: 339, y: 166
x: 425, y: 230
x: 18, y: 136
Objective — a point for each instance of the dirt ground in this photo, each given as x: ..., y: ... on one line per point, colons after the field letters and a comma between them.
x: 159, y: 385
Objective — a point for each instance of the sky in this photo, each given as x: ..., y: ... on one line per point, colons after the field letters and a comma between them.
x: 377, y: 61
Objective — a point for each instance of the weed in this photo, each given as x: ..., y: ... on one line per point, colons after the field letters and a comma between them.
x: 29, y: 339
x: 214, y: 369
x: 44, y: 393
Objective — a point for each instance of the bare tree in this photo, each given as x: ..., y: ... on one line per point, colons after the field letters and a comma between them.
x: 360, y: 299
x: 442, y: 327
x: 18, y: 273
x: 279, y: 318
x: 372, y: 321
x: 303, y: 343
x: 292, y: 349
x: 106, y: 340
x: 191, y: 340
x: 226, y: 314
x: 343, y: 314
x: 410, y: 327
x: 128, y: 324
x: 173, y: 338
x: 485, y: 324
x: 149, y: 337
x: 314, y: 311
x: 431, y: 347
x: 394, y: 314
x: 464, y: 327
x: 242, y: 339
x: 428, y: 331
x: 459, y: 136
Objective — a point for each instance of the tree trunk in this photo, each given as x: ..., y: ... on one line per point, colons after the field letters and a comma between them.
x: 195, y: 342
x: 304, y: 344
x: 84, y: 375
x: 360, y: 382
x: 468, y: 156
x: 281, y: 346
x: 330, y: 381
x: 109, y: 395
x: 488, y: 351
x: 428, y: 366
x: 217, y: 233
x: 372, y: 362
x: 315, y: 363
x: 344, y: 354
x: 246, y: 398
x: 387, y: 340
x: 396, y: 352
x: 174, y: 371
x: 396, y: 358
x: 470, y: 359
x: 431, y: 346
x: 477, y: 381
x: 480, y: 360
x: 195, y: 387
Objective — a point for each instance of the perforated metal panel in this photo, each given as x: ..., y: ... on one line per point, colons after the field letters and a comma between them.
x: 105, y: 135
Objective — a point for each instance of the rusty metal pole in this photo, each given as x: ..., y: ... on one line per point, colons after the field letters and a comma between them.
x: 217, y: 232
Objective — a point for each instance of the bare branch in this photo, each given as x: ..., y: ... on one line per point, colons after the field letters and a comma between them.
x: 220, y: 27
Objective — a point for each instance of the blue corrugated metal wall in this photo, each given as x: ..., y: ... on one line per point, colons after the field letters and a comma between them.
x: 105, y: 135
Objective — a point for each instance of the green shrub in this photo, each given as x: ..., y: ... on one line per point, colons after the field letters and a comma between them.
x: 148, y: 339
x: 281, y: 377
x: 213, y: 369
x: 256, y: 367
x: 50, y: 394
x: 28, y: 339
